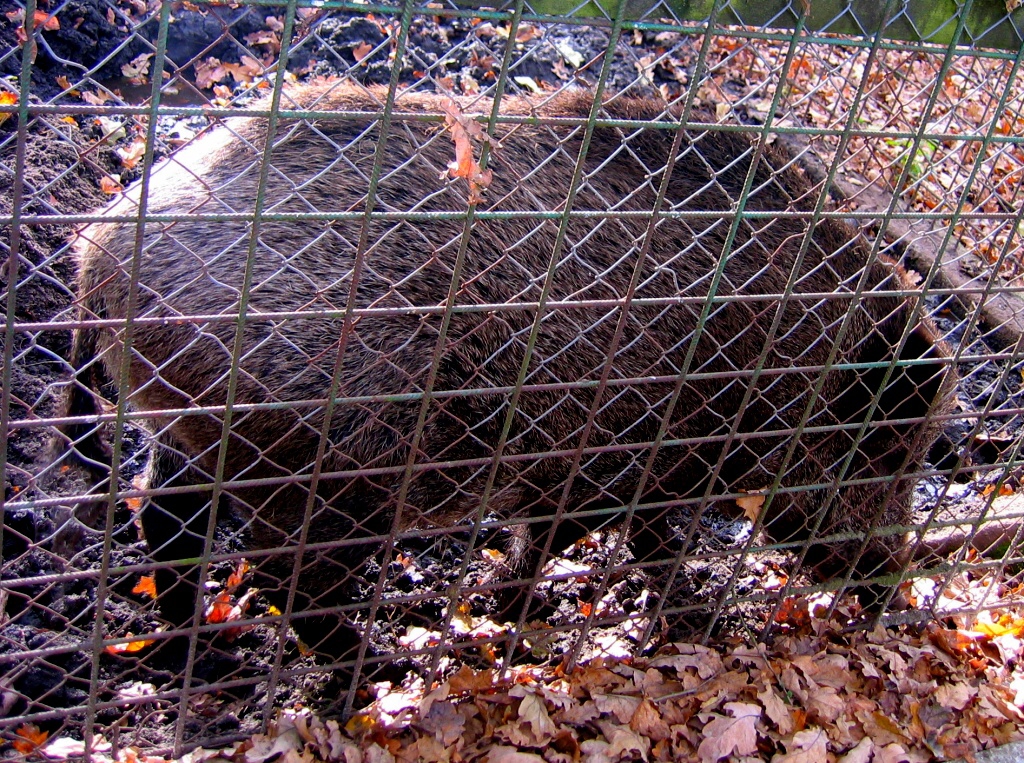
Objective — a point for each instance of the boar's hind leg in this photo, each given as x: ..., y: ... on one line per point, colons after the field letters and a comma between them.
x: 175, y: 527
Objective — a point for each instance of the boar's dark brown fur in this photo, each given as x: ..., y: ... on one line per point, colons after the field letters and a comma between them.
x: 712, y: 446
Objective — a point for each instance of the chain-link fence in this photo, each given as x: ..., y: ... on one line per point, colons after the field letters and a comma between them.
x: 418, y: 336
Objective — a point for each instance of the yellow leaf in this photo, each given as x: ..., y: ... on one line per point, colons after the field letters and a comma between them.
x: 7, y: 98
x: 360, y: 724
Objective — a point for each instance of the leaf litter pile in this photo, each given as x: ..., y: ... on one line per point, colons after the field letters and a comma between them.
x: 817, y: 692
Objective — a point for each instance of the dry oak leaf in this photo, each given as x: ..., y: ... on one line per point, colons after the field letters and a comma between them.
x: 824, y: 705
x: 707, y: 662
x: 466, y: 131
x: 109, y: 185
x: 777, y: 710
x: 648, y: 722
x: 861, y: 753
x: 807, y: 746
x: 955, y: 696
x: 534, y: 728
x: 470, y: 681
x: 622, y: 707
x: 730, y: 736
x: 891, y: 753
x: 237, y: 575
x: 751, y: 505
x: 624, y: 744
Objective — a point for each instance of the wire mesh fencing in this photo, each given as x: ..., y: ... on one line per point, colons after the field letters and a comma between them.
x: 350, y: 343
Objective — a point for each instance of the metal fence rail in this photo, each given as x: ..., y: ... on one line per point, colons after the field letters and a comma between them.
x: 346, y: 343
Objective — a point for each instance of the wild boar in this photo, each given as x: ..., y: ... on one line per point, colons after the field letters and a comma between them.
x: 640, y: 353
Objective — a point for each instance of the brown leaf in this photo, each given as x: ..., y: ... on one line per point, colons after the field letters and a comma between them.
x: 620, y: 706
x: 130, y: 157
x: 809, y: 746
x: 777, y: 710
x: 511, y: 755
x: 624, y: 744
x: 534, y: 727
x: 824, y: 705
x: 469, y: 681
x: 43, y: 19
x: 96, y: 99
x: 861, y: 753
x: 883, y: 730
x: 648, y: 722
x: 706, y: 661
x: 794, y: 611
x: 137, y: 68
x: 954, y: 696
x: 465, y: 131
x: 209, y: 72
x: 730, y: 736
x: 891, y: 753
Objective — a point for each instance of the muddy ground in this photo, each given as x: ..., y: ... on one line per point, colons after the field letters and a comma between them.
x: 50, y: 561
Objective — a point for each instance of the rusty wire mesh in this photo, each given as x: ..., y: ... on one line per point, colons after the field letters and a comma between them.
x: 421, y: 381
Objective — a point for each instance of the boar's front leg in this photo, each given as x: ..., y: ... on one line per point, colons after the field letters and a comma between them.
x: 175, y: 527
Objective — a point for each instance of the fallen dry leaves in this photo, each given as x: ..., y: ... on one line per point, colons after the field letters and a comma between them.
x: 466, y: 134
x: 820, y: 692
x: 901, y: 91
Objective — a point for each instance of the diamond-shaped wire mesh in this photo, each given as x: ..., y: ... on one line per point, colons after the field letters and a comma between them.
x: 376, y: 378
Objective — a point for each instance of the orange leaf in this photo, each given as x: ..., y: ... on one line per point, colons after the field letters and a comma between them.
x: 361, y: 51
x: 31, y: 738
x: 7, y: 98
x: 46, y: 21
x: 751, y: 505
x: 219, y: 610
x: 586, y: 608
x: 130, y: 646
x: 235, y: 578
x: 146, y: 586
x: 109, y: 185
x: 793, y: 611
